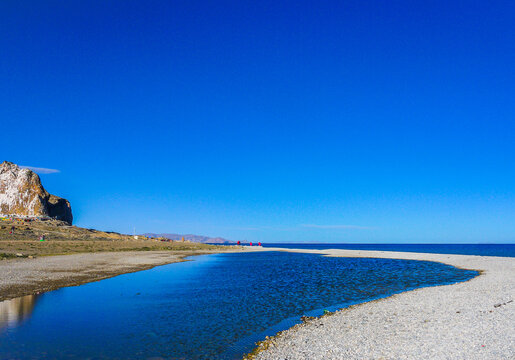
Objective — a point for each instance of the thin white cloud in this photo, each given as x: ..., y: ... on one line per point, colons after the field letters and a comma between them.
x: 246, y: 228
x: 316, y: 226
x: 260, y: 228
x: 39, y: 170
x: 251, y: 228
x: 296, y: 228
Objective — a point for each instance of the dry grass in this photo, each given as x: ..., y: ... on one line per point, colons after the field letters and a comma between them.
x: 62, y: 239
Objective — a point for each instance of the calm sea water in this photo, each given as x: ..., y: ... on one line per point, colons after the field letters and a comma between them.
x: 214, y: 307
x: 506, y: 250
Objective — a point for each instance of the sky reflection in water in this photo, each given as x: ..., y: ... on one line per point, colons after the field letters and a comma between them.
x: 214, y: 307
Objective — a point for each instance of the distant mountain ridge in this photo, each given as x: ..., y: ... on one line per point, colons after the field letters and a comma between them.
x: 193, y: 238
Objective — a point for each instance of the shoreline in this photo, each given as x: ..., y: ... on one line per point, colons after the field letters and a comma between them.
x: 471, y: 319
x: 466, y: 320
x: 20, y: 277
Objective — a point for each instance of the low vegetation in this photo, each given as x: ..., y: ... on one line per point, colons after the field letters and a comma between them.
x: 60, y: 238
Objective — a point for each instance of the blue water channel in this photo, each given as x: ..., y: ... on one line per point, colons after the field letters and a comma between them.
x: 214, y: 307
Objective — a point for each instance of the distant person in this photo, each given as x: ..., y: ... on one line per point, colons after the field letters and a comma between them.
x: 259, y: 244
x: 238, y: 243
x: 250, y: 244
x: 12, y: 230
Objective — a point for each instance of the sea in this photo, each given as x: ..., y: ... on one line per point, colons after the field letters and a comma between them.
x: 211, y: 307
x: 505, y: 250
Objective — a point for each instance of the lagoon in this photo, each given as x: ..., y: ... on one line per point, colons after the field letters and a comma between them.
x: 213, y: 307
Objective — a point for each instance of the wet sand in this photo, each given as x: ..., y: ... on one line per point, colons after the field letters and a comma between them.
x: 19, y: 277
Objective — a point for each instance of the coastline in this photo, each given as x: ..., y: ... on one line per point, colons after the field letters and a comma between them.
x: 472, y: 319
x: 20, y: 277
x: 467, y: 320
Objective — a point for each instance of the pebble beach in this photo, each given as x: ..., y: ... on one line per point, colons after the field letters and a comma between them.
x: 469, y: 320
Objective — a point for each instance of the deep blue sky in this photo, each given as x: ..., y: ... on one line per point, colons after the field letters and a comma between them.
x: 344, y: 121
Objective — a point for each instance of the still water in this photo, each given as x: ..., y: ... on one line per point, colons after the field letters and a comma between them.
x: 214, y: 307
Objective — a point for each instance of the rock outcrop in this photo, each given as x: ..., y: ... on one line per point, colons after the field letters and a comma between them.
x: 22, y: 194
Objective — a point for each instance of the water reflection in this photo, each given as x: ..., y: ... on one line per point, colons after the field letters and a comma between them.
x: 215, y: 307
x: 15, y: 311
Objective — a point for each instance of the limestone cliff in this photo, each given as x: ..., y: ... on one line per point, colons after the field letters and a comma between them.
x: 21, y: 193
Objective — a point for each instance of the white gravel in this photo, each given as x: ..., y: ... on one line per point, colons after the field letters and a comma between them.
x: 469, y: 320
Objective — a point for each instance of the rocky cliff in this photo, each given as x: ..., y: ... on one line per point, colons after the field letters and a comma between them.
x: 21, y: 193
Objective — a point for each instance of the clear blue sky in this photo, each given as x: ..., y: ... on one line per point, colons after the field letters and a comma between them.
x: 344, y: 121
